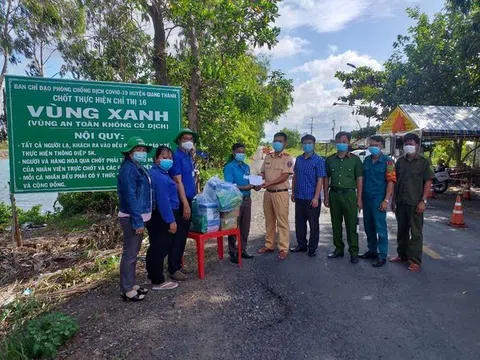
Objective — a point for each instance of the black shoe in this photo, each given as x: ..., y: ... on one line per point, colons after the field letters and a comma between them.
x: 299, y: 249
x: 312, y: 253
x: 335, y: 254
x: 379, y: 263
x: 354, y: 259
x: 234, y: 258
x: 246, y: 255
x: 368, y: 255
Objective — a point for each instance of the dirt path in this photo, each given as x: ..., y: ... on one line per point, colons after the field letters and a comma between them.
x: 187, y: 323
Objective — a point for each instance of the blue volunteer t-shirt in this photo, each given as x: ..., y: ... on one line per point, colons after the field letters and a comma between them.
x: 183, y: 165
x: 234, y: 172
x: 166, y: 196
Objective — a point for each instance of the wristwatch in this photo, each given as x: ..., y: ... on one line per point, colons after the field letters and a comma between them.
x: 424, y: 201
x: 387, y: 201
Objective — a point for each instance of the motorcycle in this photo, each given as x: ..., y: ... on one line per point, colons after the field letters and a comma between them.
x: 441, y: 180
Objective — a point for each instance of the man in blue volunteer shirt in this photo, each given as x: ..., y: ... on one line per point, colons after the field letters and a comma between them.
x: 183, y: 173
x: 378, y: 182
x: 309, y: 174
x: 237, y: 172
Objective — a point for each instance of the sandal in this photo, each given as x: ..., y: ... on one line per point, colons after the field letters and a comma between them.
x: 135, y: 298
x: 140, y: 290
x: 168, y: 285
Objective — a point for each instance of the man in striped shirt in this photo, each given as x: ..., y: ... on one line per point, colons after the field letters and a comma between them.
x: 309, y: 174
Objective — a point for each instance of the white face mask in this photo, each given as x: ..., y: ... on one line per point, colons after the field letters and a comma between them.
x: 410, y: 149
x: 187, y: 145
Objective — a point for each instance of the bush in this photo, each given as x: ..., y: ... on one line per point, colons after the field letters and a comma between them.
x: 88, y: 202
x: 5, y: 214
x: 209, y: 172
x: 40, y: 338
x: 34, y: 215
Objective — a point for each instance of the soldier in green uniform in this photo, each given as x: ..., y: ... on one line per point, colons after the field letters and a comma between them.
x: 345, y: 172
x: 414, y: 177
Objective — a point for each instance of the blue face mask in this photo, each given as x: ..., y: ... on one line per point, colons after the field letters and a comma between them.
x: 374, y: 150
x: 240, y: 157
x: 308, y: 148
x: 342, y: 147
x: 277, y: 146
x: 166, y: 164
x: 140, y: 156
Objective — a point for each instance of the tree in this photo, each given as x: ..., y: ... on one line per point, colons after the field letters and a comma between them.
x: 227, y: 27
x: 156, y: 10
x: 437, y: 63
x: 364, y: 133
x: 43, y: 26
x: 116, y: 46
x: 281, y: 90
x: 463, y: 5
x: 237, y: 99
x: 293, y: 136
x: 11, y: 47
x: 369, y: 88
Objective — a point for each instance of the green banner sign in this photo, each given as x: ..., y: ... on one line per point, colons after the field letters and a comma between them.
x: 66, y: 135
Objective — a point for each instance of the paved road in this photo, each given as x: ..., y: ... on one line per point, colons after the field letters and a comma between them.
x: 303, y: 308
x: 342, y: 311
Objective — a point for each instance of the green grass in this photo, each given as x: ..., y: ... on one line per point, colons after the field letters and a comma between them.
x: 72, y: 223
x: 294, y: 152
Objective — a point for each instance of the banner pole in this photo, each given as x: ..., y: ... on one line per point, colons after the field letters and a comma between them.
x: 16, y: 233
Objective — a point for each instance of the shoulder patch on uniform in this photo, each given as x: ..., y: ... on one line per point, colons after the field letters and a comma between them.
x: 390, y: 165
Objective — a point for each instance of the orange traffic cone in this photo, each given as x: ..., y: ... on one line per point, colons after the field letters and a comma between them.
x: 457, y: 215
x: 467, y: 194
x: 431, y: 193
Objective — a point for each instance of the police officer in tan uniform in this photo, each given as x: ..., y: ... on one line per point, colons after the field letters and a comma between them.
x: 276, y: 169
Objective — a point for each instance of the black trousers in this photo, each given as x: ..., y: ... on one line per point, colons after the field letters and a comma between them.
x: 160, y: 245
x: 179, y: 241
x: 244, y: 220
x: 304, y: 213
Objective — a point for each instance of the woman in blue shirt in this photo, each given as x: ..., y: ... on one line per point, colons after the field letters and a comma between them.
x: 135, y: 208
x: 236, y: 171
x: 163, y: 225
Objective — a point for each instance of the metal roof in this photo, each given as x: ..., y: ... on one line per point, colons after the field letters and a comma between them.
x: 445, y: 121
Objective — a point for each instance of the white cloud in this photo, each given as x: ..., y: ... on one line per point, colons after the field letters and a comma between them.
x: 315, y: 96
x: 333, y: 49
x: 286, y: 46
x: 332, y: 15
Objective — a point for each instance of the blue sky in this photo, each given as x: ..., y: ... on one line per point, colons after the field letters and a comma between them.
x: 318, y: 38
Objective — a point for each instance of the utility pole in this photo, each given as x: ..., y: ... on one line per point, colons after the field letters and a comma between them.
x: 311, y: 126
x: 333, y: 130
x: 340, y: 128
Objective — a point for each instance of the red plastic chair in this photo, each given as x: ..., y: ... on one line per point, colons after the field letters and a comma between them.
x: 202, y: 238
